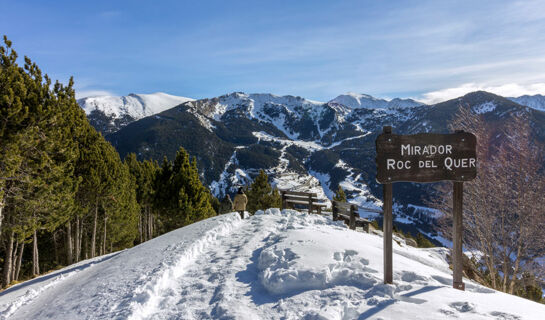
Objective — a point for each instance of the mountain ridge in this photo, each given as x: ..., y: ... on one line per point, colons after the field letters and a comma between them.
x: 110, y: 113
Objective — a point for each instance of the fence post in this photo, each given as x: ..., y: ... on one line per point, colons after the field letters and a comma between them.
x: 310, y: 203
x: 334, y: 209
x: 283, y: 195
x: 352, y: 224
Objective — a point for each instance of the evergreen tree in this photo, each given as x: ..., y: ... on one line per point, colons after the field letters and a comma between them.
x: 144, y: 174
x: 340, y: 195
x: 261, y: 195
x: 423, y: 242
x: 180, y: 194
x: 37, y: 154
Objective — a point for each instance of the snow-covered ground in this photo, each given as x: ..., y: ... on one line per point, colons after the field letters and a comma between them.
x: 273, y: 265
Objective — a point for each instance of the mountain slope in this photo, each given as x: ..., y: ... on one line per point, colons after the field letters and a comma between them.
x: 536, y: 101
x: 272, y: 265
x: 110, y: 113
x: 302, y: 144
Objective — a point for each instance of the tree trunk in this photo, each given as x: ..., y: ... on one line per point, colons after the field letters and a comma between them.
x: 14, y: 260
x: 69, y: 249
x: 6, y: 279
x: 85, y: 247
x: 35, y: 255
x: 19, y: 259
x: 1, y: 215
x: 55, y: 247
x: 516, y: 270
x: 80, y: 240
x: 140, y: 225
x: 150, y: 225
x: 104, y: 240
x: 94, y: 236
x: 76, y: 242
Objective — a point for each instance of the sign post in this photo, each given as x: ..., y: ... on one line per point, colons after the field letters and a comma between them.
x: 387, y: 225
x: 426, y: 157
x: 457, y: 267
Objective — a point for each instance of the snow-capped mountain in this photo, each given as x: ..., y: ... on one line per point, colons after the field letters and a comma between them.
x: 302, y: 144
x: 357, y: 100
x: 111, y: 113
x: 273, y: 265
x: 536, y: 101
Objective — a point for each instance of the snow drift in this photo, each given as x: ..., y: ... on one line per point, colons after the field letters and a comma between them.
x: 273, y: 265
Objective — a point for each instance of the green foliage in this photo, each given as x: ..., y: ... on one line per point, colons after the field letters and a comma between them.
x: 339, y: 195
x: 529, y: 288
x: 261, y: 195
x: 180, y: 195
x: 64, y: 188
x: 423, y: 242
x: 258, y: 156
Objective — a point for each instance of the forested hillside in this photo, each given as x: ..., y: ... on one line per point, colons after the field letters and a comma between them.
x: 65, y: 193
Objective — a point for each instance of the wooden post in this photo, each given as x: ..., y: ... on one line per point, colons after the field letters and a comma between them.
x: 310, y: 203
x: 283, y: 194
x: 352, y: 224
x: 387, y: 225
x: 457, y: 224
x: 335, y: 210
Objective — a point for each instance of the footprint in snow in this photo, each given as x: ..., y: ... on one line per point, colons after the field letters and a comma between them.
x: 463, y: 306
x: 504, y: 316
x: 409, y: 276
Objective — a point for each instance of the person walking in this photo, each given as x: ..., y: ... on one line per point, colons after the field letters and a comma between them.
x: 240, y: 201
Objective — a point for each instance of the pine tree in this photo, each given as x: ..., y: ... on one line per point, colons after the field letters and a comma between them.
x: 144, y: 174
x: 261, y: 195
x: 340, y: 195
x: 37, y: 154
x: 180, y: 194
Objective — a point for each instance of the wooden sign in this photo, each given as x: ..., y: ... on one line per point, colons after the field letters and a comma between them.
x: 426, y: 157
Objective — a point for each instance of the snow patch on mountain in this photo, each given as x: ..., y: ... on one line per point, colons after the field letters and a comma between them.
x: 484, y: 107
x: 136, y: 106
x: 308, y: 145
x: 230, y: 182
x: 357, y: 100
x: 356, y: 188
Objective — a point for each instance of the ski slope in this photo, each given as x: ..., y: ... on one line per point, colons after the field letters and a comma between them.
x: 273, y: 265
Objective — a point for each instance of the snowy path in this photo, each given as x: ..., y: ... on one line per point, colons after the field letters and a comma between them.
x: 219, y: 283
x: 274, y: 265
x: 297, y: 266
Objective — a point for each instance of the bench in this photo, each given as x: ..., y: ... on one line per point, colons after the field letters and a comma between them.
x: 290, y: 199
x: 348, y: 212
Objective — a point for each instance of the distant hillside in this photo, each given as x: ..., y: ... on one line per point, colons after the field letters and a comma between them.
x: 302, y: 144
x: 110, y: 113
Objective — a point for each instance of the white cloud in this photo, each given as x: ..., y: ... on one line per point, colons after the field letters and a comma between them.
x: 505, y: 90
x: 90, y: 93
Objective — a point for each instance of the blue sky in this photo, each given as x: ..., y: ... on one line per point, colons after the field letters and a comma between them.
x: 430, y: 50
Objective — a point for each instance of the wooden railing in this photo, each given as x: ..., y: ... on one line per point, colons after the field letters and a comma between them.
x: 290, y: 199
x: 348, y: 212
